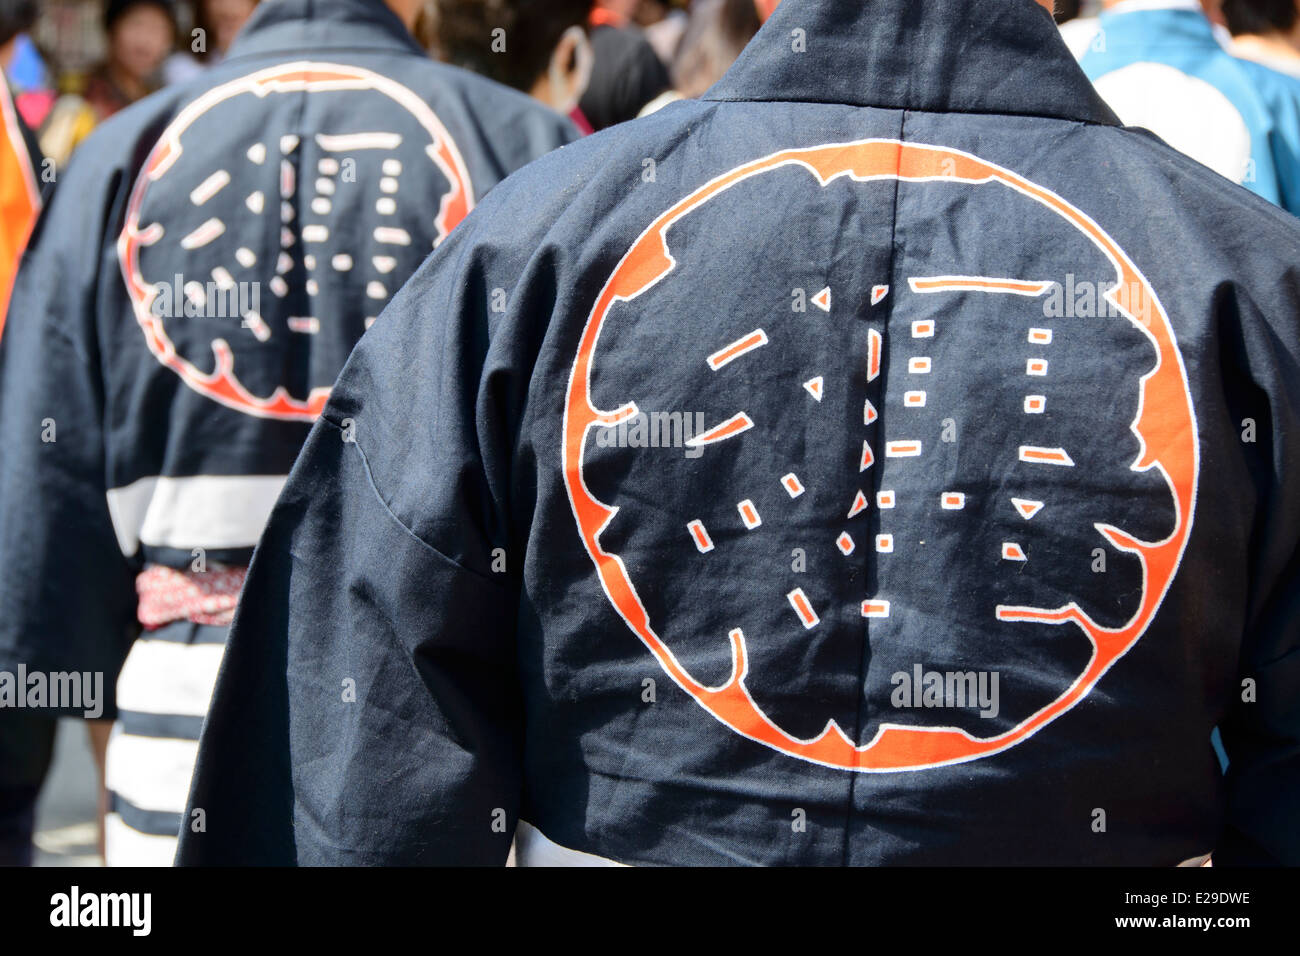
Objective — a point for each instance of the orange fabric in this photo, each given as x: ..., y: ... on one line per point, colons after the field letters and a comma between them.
x: 601, y: 17
x: 19, y: 198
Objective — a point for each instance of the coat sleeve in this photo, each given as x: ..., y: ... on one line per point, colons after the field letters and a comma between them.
x: 367, y: 711
x: 1261, y: 732
x: 67, y: 594
x: 1262, y: 739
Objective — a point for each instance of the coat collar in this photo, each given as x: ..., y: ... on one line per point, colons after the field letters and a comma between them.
x: 962, y: 56
x: 305, y: 26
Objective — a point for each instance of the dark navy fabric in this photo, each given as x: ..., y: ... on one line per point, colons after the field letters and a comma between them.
x: 26, y: 737
x: 873, y: 261
x: 316, y: 166
x: 26, y: 751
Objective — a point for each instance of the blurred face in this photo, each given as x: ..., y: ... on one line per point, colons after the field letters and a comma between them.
x: 140, y: 41
x: 226, y: 17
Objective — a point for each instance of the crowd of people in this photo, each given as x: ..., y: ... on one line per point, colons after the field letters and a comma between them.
x: 222, y: 208
x: 619, y: 57
x: 612, y: 61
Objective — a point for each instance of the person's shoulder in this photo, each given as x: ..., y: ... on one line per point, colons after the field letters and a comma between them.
x: 115, y: 141
x: 1274, y: 86
x: 1262, y: 73
x: 1203, y: 197
x: 605, y: 161
x: 567, y: 196
x: 484, y: 95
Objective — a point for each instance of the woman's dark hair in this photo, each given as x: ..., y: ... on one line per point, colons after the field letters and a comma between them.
x: 462, y: 33
x: 1259, y: 16
x: 16, y: 16
x: 1066, y: 10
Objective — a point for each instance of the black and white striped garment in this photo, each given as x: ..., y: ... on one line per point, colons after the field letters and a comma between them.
x: 162, y: 695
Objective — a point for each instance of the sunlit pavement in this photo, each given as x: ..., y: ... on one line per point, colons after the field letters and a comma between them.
x: 65, y: 816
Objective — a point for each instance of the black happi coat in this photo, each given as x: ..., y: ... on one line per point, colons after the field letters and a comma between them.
x: 888, y: 442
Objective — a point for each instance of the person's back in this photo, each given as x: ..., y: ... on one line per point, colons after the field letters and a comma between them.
x: 1159, y: 66
x: 868, y: 463
x: 202, y: 274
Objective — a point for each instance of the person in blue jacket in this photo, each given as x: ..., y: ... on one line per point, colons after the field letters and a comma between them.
x: 207, y: 263
x: 886, y: 458
x: 1158, y: 64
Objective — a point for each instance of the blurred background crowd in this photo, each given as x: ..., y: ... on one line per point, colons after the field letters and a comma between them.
x: 72, y: 63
